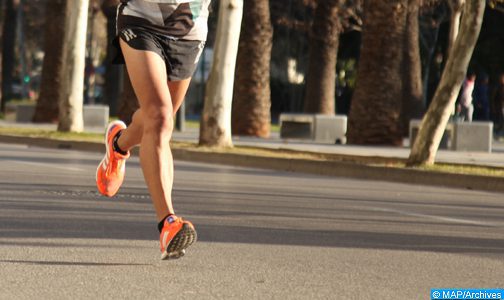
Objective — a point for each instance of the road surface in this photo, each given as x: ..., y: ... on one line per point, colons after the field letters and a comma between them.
x: 262, y: 234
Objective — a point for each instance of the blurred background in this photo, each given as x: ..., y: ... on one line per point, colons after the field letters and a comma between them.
x: 25, y: 31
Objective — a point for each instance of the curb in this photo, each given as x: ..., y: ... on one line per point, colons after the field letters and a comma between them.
x: 326, y: 168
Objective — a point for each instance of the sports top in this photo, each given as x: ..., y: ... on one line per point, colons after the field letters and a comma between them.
x: 178, y: 19
x: 169, y: 1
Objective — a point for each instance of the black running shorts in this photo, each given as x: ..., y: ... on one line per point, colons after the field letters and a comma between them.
x: 176, y: 32
x: 180, y: 56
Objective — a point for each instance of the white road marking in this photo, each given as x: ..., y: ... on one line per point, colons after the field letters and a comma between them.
x: 438, y: 218
x: 48, y: 165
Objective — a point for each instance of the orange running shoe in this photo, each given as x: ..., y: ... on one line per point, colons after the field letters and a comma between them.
x: 175, y: 237
x: 110, y: 172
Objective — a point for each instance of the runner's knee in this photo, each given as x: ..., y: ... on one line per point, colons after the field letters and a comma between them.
x: 159, y: 121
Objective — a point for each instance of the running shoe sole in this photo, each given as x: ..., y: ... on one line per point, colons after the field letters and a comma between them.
x: 181, y: 241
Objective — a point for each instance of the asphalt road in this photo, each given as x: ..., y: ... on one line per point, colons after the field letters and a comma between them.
x: 262, y: 234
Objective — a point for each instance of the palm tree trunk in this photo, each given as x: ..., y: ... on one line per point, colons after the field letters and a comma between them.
x: 252, y: 95
x: 51, y: 85
x: 434, y: 123
x: 324, y: 41
x: 215, y: 127
x: 412, y: 100
x: 376, y: 105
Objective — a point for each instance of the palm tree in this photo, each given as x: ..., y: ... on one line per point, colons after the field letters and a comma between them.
x: 412, y: 93
x: 51, y: 86
x: 324, y: 42
x: 252, y: 95
x: 377, y: 104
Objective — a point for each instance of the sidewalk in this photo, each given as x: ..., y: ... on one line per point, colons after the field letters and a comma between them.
x: 332, y: 168
x: 494, y: 159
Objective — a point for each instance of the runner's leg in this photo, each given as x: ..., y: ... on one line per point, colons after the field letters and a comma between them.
x: 154, y: 121
x: 132, y: 136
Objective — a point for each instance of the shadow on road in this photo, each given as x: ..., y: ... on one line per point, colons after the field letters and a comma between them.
x: 65, y: 263
x: 100, y: 228
x: 81, y: 214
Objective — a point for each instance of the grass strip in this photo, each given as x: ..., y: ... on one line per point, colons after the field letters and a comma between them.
x: 274, y: 153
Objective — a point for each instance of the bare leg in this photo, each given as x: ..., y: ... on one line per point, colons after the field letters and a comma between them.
x: 178, y: 91
x: 132, y: 136
x: 152, y: 124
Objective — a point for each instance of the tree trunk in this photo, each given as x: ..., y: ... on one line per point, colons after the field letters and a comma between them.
x: 324, y: 41
x: 113, y: 73
x: 215, y: 127
x: 412, y: 100
x: 252, y: 94
x: 434, y: 123
x: 128, y: 102
x: 456, y: 9
x: 51, y: 85
x: 2, y: 16
x: 8, y: 50
x: 70, y: 108
x: 376, y: 105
